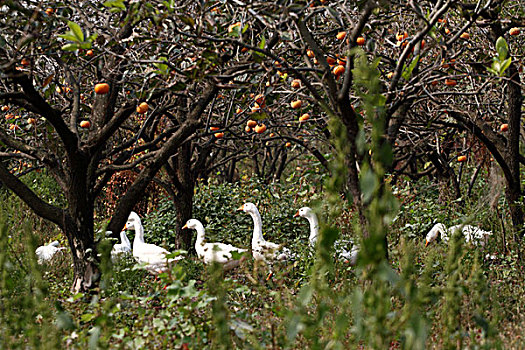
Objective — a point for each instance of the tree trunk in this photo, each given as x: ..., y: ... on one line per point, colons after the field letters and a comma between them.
x: 513, y: 188
x: 78, y: 225
x: 183, y: 212
x: 84, y: 254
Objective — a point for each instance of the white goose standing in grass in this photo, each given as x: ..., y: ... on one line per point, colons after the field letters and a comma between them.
x: 340, y: 245
x: 213, y: 252
x: 263, y: 250
x: 45, y: 253
x: 471, y: 233
x: 122, y: 248
x: 153, y: 256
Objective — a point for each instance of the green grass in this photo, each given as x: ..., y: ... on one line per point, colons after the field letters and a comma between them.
x: 424, y: 296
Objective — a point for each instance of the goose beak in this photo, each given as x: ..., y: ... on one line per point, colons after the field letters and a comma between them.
x: 270, y: 275
x: 125, y: 227
x: 241, y: 208
x: 296, y: 214
x: 185, y: 226
x: 426, y: 243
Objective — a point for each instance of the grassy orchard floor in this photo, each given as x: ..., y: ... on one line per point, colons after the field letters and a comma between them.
x: 137, y: 311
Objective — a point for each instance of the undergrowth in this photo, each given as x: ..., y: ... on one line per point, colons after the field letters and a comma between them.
x: 449, y: 297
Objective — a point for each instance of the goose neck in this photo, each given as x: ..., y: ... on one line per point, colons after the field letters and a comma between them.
x: 124, y: 239
x: 200, y: 234
x: 314, y: 228
x: 257, y: 226
x: 139, y: 233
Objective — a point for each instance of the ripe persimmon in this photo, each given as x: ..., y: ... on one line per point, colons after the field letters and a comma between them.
x: 304, y: 118
x: 504, y: 127
x: 341, y: 35
x: 251, y: 123
x: 514, y: 31
x: 260, y: 99
x: 462, y: 158
x: 296, y: 104
x: 85, y: 124
x: 142, y: 108
x: 102, y: 88
x: 260, y: 128
x: 296, y: 83
x: 338, y: 70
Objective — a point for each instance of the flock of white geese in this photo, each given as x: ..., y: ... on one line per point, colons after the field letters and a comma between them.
x: 154, y: 259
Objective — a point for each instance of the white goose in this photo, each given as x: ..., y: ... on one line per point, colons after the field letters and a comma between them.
x: 152, y: 255
x: 123, y: 248
x: 471, y: 233
x: 45, y: 253
x: 263, y: 250
x: 213, y: 252
x: 340, y: 245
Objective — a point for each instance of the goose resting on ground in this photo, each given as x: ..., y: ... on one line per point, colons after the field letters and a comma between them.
x: 45, y: 253
x: 471, y: 233
x: 213, y: 252
x: 340, y: 245
x: 153, y: 256
x: 123, y: 248
x: 263, y: 250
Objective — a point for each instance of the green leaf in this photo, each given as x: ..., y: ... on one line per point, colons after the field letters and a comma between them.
x: 163, y: 68
x: 94, y: 337
x: 86, y: 45
x: 68, y: 36
x: 92, y: 37
x: 502, y: 48
x: 504, y: 65
x: 187, y: 20
x: 87, y: 317
x: 407, y: 73
x: 368, y: 184
x: 262, y: 44
x: 64, y: 321
x: 119, y: 4
x: 70, y: 47
x: 76, y: 30
x: 259, y: 116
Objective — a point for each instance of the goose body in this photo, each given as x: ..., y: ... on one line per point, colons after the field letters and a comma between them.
x: 153, y: 256
x: 213, y: 252
x: 263, y: 250
x: 45, y: 253
x: 471, y: 233
x: 122, y: 248
x: 341, y: 246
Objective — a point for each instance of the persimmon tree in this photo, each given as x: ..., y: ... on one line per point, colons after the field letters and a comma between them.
x: 50, y: 62
x: 424, y: 53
